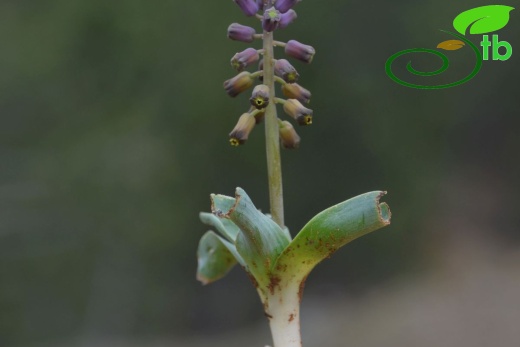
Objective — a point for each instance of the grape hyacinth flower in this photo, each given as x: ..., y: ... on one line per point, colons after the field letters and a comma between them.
x: 284, y: 69
x: 287, y: 18
x: 299, y: 51
x: 288, y: 136
x: 239, y: 32
x: 296, y: 110
x: 285, y: 5
x: 260, y: 96
x: 295, y: 91
x: 249, y: 7
x: 241, y: 132
x: 271, y: 19
x: 239, y: 83
x: 243, y: 59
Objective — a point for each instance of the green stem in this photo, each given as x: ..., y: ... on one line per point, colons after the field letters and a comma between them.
x: 272, y: 141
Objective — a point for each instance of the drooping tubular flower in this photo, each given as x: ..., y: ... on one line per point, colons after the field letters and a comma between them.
x: 284, y: 69
x: 238, y: 84
x: 249, y: 7
x: 243, y: 59
x: 239, y: 32
x: 260, y: 97
x: 284, y: 5
x: 271, y: 19
x: 241, y: 132
x: 299, y: 51
x: 296, y: 110
x: 288, y: 136
x: 287, y: 18
x: 295, y: 91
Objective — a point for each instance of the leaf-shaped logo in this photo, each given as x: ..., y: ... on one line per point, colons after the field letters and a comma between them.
x: 482, y: 20
x: 451, y: 45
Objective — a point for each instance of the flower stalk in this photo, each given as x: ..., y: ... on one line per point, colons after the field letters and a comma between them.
x: 272, y: 141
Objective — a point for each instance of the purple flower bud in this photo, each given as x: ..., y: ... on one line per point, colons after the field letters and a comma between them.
x: 238, y: 84
x: 260, y: 4
x: 260, y: 96
x: 299, y: 51
x: 287, y: 18
x: 249, y: 7
x: 240, y: 134
x: 284, y: 5
x: 297, y: 111
x: 243, y: 59
x: 284, y: 69
x: 271, y: 19
x: 240, y: 32
x: 295, y: 91
x: 288, y: 136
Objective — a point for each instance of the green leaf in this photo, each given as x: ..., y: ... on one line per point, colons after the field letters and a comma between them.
x: 214, y: 258
x: 226, y: 227
x: 484, y: 19
x: 328, y: 231
x: 260, y: 240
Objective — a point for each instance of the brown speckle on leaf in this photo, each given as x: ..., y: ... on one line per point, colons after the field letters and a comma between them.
x: 291, y: 317
x: 273, y: 282
x: 302, y: 286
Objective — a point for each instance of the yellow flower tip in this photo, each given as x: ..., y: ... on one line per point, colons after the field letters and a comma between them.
x: 307, y: 120
x: 236, y: 65
x: 260, y: 97
x: 234, y: 142
x: 292, y: 77
x: 258, y: 102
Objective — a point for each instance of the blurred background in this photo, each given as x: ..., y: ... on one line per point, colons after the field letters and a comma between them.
x: 114, y: 131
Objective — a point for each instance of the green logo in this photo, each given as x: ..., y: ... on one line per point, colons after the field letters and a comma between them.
x: 480, y: 20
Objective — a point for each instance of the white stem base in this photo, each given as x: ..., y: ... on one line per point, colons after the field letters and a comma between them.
x: 283, y: 311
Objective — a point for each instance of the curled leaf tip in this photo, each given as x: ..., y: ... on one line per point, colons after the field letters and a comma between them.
x: 383, y: 209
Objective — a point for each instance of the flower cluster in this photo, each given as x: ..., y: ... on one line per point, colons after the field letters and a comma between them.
x: 273, y: 15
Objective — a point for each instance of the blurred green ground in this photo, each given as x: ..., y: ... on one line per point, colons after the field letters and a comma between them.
x: 114, y: 131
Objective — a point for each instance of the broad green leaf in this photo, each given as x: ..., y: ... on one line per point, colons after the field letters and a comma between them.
x: 482, y: 20
x: 328, y: 231
x: 260, y: 240
x: 451, y: 45
x: 214, y: 258
x: 226, y: 227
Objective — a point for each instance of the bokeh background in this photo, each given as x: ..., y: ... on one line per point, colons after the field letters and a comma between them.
x: 114, y: 131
